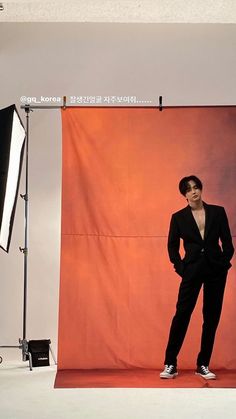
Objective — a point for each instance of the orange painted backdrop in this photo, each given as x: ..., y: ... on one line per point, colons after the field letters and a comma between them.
x: 121, y: 169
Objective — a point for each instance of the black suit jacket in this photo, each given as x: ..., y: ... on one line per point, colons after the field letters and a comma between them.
x: 183, y: 226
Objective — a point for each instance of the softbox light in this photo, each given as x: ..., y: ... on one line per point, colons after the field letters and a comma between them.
x: 12, y: 137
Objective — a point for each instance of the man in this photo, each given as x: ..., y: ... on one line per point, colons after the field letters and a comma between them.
x: 206, y: 263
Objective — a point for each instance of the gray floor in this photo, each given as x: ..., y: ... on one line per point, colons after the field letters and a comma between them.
x: 30, y: 395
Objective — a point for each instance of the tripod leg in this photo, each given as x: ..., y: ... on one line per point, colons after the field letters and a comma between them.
x: 30, y: 361
x: 53, y: 356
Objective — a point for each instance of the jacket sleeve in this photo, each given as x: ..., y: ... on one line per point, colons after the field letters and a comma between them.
x: 174, y: 245
x: 226, y: 238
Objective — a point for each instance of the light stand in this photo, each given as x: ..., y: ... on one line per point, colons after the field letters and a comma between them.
x: 23, y: 343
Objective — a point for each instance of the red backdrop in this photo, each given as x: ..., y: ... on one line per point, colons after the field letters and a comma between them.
x: 121, y: 169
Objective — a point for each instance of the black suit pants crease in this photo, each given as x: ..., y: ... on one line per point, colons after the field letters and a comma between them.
x: 195, y: 276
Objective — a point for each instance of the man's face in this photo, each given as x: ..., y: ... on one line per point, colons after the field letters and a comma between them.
x: 193, y: 193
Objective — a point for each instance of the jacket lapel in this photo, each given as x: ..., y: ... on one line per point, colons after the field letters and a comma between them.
x: 192, y: 223
x: 208, y: 218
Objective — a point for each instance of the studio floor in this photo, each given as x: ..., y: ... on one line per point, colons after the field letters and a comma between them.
x: 26, y: 394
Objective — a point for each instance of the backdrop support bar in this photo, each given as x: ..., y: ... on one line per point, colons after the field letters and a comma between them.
x: 158, y: 107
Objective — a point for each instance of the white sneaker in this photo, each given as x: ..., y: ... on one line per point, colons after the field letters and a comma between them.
x: 204, y: 372
x: 170, y: 371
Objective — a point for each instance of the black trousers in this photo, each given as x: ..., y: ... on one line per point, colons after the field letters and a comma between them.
x: 195, y: 275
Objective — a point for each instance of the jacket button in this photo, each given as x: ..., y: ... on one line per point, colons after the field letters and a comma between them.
x: 202, y: 250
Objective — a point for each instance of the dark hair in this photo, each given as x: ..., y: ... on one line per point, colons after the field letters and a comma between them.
x: 183, y: 184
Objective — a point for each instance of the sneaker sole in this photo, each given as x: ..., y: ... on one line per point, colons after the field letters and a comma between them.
x: 169, y: 375
x: 205, y: 376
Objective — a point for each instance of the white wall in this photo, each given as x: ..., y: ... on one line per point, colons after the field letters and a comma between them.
x: 186, y: 64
